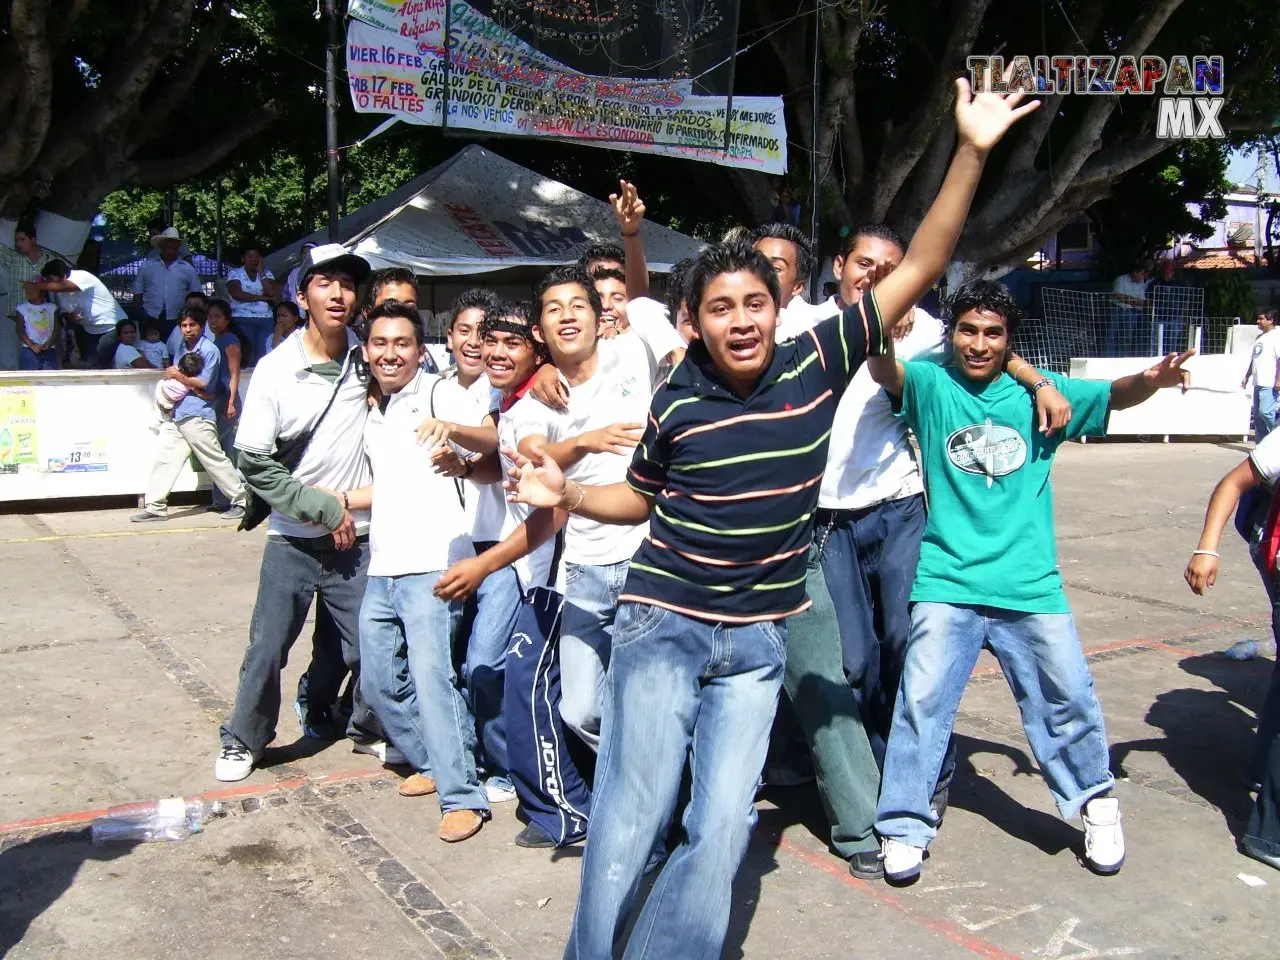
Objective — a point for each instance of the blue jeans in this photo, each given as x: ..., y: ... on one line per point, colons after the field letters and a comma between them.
x: 258, y: 331
x: 296, y: 570
x: 1125, y: 333
x: 484, y: 666
x: 1044, y: 664
x: 676, y: 688
x: 869, y: 560
x: 46, y: 359
x: 403, y: 623
x: 1264, y: 412
x: 586, y: 636
x: 1269, y: 715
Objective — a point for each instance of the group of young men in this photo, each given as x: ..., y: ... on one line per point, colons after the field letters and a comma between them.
x: 704, y: 504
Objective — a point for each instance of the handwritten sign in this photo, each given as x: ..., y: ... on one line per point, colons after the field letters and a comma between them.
x: 499, y: 84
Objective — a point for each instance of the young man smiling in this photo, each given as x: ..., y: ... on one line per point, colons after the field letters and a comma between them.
x: 609, y: 391
x: 409, y: 551
x: 727, y: 475
x: 988, y: 575
x: 317, y: 546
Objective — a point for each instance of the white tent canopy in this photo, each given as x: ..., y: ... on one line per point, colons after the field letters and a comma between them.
x: 477, y: 213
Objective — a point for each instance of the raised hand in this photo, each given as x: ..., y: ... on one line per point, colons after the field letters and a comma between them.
x: 1169, y: 372
x: 628, y: 208
x: 982, y: 119
x: 535, y: 481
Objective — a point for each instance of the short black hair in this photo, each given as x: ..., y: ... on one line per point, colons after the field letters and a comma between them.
x: 736, y: 256
x: 28, y: 227
x: 880, y: 230
x: 126, y: 322
x: 250, y: 245
x: 287, y: 304
x: 473, y: 298
x: 608, y: 273
x: 559, y: 276
x: 190, y: 364
x: 397, y: 310
x: 387, y: 277
x: 677, y: 281
x: 198, y: 314
x: 55, y: 269
x: 147, y: 326
x: 200, y: 295
x: 512, y: 316
x: 1268, y: 313
x: 990, y: 296
x: 601, y: 251
x: 789, y: 233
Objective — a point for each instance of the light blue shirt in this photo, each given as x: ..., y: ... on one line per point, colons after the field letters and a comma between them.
x: 163, y: 287
x: 192, y: 405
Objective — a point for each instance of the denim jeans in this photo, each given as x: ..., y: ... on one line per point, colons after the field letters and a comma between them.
x: 257, y: 331
x: 295, y: 570
x: 1264, y: 412
x: 676, y: 688
x: 829, y: 715
x: 403, y: 622
x: 1269, y: 715
x: 1044, y: 664
x: 46, y: 359
x: 1125, y: 333
x: 869, y: 559
x: 586, y: 636
x: 1264, y: 824
x: 484, y: 666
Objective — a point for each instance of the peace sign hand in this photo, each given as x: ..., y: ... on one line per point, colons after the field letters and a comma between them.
x: 1169, y: 372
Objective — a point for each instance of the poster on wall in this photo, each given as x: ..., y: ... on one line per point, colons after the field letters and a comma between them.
x: 17, y: 428
x: 499, y: 84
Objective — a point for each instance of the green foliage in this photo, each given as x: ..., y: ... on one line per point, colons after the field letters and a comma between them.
x: 1228, y: 294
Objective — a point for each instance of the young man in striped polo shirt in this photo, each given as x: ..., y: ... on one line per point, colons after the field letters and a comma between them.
x: 727, y: 475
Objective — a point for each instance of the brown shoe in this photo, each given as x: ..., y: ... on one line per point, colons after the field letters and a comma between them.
x: 417, y: 785
x: 458, y: 825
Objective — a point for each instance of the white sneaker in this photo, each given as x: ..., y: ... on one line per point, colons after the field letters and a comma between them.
x: 901, y: 860
x: 234, y: 763
x: 382, y: 750
x: 1103, y: 838
x: 499, y: 791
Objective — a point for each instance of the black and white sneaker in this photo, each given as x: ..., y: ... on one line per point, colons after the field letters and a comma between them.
x: 234, y: 763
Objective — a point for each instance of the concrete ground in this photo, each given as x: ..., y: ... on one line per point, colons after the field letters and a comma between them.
x: 121, y: 654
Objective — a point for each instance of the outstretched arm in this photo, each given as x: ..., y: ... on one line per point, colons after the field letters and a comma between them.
x: 1134, y: 389
x: 538, y: 481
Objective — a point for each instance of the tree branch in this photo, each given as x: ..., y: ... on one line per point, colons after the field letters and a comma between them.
x: 29, y: 121
x: 160, y: 34
x: 162, y: 173
x: 175, y: 88
x: 907, y: 144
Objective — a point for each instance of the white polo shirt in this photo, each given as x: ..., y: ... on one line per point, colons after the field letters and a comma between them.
x: 1266, y: 359
x: 870, y: 460
x: 418, y: 524
x: 620, y: 392
x: 535, y: 568
x: 285, y: 398
x: 486, y: 504
x: 647, y: 318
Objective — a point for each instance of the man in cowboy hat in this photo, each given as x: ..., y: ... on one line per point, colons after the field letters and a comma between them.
x: 163, y: 281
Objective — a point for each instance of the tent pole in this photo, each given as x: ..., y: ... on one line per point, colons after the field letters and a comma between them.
x: 815, y: 184
x: 444, y: 93
x: 331, y: 112
x: 733, y: 69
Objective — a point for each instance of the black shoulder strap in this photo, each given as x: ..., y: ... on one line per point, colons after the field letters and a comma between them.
x: 458, y: 483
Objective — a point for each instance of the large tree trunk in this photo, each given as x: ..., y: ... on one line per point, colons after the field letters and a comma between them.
x: 112, y: 133
x: 893, y: 173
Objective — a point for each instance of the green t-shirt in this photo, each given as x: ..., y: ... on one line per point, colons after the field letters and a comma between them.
x: 989, y: 539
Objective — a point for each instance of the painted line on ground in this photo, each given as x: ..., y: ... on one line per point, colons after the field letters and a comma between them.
x: 881, y: 893
x: 110, y: 534
x: 229, y: 793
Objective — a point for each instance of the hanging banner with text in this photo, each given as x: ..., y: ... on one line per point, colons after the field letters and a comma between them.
x: 499, y: 84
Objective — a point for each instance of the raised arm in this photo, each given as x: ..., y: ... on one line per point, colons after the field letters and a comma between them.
x: 619, y: 438
x: 981, y: 121
x: 629, y: 211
